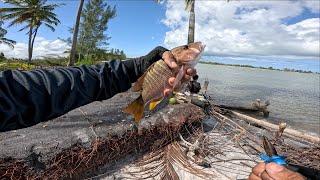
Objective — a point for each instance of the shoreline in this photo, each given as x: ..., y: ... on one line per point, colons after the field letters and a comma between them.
x: 267, y: 68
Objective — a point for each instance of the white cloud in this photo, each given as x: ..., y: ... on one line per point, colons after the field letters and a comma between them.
x: 246, y: 27
x: 42, y: 48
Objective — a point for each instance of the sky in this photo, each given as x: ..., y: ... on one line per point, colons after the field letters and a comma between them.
x: 235, y: 29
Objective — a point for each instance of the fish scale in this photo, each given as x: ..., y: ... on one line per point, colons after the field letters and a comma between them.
x: 156, y: 80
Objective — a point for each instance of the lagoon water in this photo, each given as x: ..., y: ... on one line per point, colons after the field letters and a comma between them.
x: 294, y: 97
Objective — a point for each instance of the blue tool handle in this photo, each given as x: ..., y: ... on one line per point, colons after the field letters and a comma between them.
x: 277, y: 159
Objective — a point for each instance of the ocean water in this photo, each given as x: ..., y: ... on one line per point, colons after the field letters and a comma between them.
x: 294, y: 97
x: 312, y: 65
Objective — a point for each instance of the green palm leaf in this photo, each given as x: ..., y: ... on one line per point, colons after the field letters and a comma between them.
x: 8, y: 42
x: 34, y: 13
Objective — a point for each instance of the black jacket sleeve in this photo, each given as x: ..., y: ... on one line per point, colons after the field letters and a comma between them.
x: 30, y: 97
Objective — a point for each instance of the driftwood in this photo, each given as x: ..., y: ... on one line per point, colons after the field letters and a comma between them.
x: 255, y: 107
x: 288, y: 132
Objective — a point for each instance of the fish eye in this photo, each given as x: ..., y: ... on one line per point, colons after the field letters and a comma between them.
x: 186, y: 47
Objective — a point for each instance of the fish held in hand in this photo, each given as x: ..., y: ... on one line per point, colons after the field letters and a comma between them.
x: 155, y: 80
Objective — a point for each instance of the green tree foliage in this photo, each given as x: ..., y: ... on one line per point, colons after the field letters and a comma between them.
x: 4, y: 40
x: 32, y: 13
x: 115, y: 54
x: 92, y: 32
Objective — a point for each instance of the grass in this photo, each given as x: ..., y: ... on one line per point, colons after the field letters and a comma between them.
x: 249, y: 66
x: 21, y: 64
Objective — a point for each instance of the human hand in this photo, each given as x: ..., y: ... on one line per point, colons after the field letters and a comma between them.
x: 171, y: 62
x: 273, y: 171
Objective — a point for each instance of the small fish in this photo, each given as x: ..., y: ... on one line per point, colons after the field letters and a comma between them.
x: 153, y: 82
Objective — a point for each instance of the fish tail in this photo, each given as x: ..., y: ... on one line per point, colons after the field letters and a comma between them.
x: 136, y: 108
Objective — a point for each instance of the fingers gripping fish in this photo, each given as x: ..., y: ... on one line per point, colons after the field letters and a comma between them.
x: 153, y: 82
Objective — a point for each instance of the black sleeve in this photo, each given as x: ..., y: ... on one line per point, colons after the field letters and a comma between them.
x: 30, y: 97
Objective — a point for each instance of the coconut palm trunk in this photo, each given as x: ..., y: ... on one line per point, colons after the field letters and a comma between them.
x: 29, y: 45
x: 192, y: 19
x: 75, y: 36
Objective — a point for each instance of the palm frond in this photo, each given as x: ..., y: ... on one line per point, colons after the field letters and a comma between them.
x: 15, y: 2
x: 161, y: 164
x: 22, y: 13
x: 8, y: 42
x: 50, y: 27
x: 189, y: 4
x: 25, y: 27
x: 19, y: 20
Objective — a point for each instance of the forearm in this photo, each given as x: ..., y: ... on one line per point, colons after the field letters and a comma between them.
x: 30, y: 97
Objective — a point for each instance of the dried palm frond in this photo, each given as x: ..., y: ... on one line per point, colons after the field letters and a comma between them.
x: 163, y: 164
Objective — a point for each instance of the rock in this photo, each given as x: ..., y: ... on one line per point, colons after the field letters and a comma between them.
x: 79, y: 142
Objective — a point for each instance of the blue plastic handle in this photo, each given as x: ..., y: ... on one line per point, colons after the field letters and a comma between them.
x: 277, y: 159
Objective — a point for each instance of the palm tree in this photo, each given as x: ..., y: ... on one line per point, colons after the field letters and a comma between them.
x: 32, y: 12
x: 3, y: 40
x: 192, y: 18
x: 75, y: 36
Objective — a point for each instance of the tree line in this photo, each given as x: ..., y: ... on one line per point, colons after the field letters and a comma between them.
x: 89, y: 33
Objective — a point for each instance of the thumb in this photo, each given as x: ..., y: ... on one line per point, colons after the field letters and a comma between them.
x: 278, y: 172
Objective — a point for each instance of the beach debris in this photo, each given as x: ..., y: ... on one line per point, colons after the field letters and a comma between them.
x: 154, y: 81
x: 279, y: 133
x: 289, y: 132
x: 205, y: 87
x: 262, y: 108
x: 160, y: 164
x: 172, y: 101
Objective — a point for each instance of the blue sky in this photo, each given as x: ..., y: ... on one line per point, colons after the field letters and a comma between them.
x: 136, y: 29
x: 262, y: 29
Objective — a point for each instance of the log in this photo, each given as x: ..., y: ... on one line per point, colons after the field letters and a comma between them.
x: 255, y: 107
x: 288, y: 132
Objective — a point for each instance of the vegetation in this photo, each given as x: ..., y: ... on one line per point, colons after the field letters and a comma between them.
x: 4, y: 40
x: 249, y: 66
x: 92, y: 37
x: 22, y: 64
x: 33, y: 13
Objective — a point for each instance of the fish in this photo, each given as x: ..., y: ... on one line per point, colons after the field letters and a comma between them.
x: 155, y: 80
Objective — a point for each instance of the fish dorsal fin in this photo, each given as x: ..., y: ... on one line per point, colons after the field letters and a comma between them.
x: 139, y: 83
x: 154, y: 103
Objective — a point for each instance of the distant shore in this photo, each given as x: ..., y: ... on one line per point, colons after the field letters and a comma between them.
x: 268, y: 68
x: 53, y: 62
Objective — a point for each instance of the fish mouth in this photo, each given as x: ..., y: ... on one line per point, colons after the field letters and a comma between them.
x: 201, y: 47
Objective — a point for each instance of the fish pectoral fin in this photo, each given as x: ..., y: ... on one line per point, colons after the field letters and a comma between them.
x: 179, y: 76
x: 154, y: 103
x: 136, y: 87
x: 138, y: 84
x: 135, y: 108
